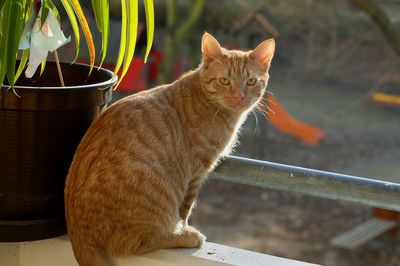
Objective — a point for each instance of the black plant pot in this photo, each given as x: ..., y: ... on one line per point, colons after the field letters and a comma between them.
x: 39, y: 132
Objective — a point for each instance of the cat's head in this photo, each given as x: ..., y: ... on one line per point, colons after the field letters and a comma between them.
x: 235, y: 79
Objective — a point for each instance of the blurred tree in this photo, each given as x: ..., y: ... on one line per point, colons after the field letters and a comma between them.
x: 176, y: 30
x: 379, y: 16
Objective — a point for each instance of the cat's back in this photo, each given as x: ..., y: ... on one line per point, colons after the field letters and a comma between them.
x: 147, y: 116
x: 128, y: 117
x: 136, y: 130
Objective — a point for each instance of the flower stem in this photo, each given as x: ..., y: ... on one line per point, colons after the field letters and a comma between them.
x: 60, y: 75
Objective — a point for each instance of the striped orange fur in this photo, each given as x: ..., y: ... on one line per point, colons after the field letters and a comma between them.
x: 137, y: 171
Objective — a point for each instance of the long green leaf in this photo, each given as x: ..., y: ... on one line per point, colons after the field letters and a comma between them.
x: 122, y: 44
x: 106, y: 30
x: 96, y: 4
x: 2, y: 4
x: 133, y: 7
x: 15, y: 28
x: 53, y: 8
x: 4, y: 37
x: 86, y: 31
x: 22, y: 64
x: 44, y: 13
x: 149, y: 8
x: 42, y: 66
x: 28, y: 10
x: 101, y: 11
x: 74, y: 24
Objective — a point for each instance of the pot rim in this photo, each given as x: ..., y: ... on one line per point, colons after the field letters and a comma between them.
x: 111, y: 81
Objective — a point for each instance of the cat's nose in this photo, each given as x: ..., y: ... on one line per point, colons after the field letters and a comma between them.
x: 238, y: 96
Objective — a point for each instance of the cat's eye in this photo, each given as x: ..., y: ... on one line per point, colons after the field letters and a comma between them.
x: 224, y: 81
x: 251, y: 82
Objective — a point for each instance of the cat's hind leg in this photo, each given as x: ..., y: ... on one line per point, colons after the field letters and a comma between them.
x: 125, y: 243
x: 88, y: 256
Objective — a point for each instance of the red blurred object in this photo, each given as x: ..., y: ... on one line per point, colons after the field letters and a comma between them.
x: 132, y: 80
x: 135, y: 79
x: 387, y: 215
x: 154, y: 66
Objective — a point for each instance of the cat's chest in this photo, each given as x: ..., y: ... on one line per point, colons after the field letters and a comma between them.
x: 207, y: 144
x: 214, y: 135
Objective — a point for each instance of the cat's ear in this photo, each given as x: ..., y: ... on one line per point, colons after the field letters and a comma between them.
x: 264, y: 52
x: 210, y: 48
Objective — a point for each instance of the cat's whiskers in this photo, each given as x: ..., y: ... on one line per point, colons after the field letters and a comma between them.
x: 271, y: 101
x: 270, y: 110
x: 255, y: 117
x: 263, y: 111
x: 265, y: 101
x: 219, y: 109
x: 264, y: 108
x: 261, y: 104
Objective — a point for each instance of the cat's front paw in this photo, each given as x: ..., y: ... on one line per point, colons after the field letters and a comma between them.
x: 198, y: 238
x: 201, y: 239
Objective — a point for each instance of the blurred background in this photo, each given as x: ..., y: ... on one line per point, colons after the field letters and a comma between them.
x: 334, y: 104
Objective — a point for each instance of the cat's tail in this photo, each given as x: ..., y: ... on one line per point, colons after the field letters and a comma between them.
x: 88, y: 256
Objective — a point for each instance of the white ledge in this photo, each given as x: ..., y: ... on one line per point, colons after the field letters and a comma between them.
x: 58, y: 251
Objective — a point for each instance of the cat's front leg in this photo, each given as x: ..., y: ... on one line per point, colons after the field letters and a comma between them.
x: 190, y: 198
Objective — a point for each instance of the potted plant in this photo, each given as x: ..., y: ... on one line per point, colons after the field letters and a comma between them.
x: 44, y: 114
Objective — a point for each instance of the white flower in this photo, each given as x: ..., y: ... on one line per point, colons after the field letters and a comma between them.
x: 43, y: 39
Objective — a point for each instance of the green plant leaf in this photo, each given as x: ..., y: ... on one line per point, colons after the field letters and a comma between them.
x: 22, y: 64
x: 101, y: 11
x: 4, y: 36
x: 122, y: 43
x: 96, y: 4
x: 86, y: 31
x: 53, y: 8
x: 42, y: 67
x: 15, y: 27
x: 28, y: 10
x: 132, y: 7
x: 44, y: 13
x: 149, y: 8
x: 2, y: 4
x: 74, y: 24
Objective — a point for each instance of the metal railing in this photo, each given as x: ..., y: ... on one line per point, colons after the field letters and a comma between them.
x: 371, y: 192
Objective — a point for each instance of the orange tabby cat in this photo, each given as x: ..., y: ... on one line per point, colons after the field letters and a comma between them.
x: 136, y: 173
